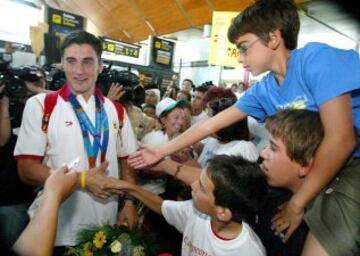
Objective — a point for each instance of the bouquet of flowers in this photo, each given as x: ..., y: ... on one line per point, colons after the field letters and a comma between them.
x: 112, y: 240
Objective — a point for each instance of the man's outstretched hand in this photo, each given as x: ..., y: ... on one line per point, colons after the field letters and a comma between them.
x: 146, y: 155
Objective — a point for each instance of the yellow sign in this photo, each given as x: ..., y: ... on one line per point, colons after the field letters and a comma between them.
x: 56, y: 19
x: 222, y: 52
x: 157, y: 45
x: 110, y: 47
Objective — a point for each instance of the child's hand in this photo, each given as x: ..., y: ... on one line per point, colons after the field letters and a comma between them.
x: 147, y: 155
x: 60, y: 184
x: 287, y: 220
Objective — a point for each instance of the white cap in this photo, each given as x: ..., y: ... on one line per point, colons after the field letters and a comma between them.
x: 168, y: 104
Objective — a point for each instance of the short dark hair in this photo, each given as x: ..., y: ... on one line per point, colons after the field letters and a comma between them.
x: 82, y: 37
x: 239, y: 185
x: 236, y: 131
x: 202, y: 88
x: 214, y: 93
x: 300, y: 130
x: 189, y: 80
x: 265, y: 16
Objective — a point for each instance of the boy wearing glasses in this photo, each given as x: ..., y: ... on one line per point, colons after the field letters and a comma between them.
x: 307, y: 78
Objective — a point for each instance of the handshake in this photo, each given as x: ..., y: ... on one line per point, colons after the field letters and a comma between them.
x: 62, y: 182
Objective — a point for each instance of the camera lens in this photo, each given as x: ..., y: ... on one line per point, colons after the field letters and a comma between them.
x: 16, y: 87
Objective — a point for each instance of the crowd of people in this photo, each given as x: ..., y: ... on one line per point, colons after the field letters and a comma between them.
x: 272, y: 170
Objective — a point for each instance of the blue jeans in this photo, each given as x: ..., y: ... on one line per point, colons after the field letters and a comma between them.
x: 13, y: 220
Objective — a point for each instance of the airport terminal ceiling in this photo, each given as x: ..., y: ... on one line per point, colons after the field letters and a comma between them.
x: 134, y: 20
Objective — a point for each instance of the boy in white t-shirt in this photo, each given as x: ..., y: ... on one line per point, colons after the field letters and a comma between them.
x: 225, y: 197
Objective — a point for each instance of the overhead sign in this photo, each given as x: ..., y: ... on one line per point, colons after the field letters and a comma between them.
x: 120, y: 48
x: 162, y: 52
x: 222, y: 52
x: 63, y: 22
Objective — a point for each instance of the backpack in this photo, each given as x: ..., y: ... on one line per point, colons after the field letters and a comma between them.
x: 50, y: 102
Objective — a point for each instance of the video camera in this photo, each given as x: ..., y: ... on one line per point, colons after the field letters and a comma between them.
x: 109, y: 76
x: 14, y: 79
x: 124, y: 77
x: 55, y: 77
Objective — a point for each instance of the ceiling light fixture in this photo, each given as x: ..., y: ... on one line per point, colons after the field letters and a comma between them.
x: 125, y: 33
x: 150, y: 26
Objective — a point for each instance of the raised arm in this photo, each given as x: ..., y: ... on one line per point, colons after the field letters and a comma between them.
x: 185, y: 173
x: 149, y: 154
x: 150, y: 199
x: 42, y: 227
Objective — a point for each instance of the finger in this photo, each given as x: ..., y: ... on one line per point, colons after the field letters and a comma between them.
x: 278, y: 223
x: 135, y: 160
x: 139, y: 166
x: 72, y: 173
x: 281, y: 228
x: 121, y: 93
x: 103, y: 167
x: 122, y: 221
x: 104, y: 195
x: 277, y: 216
x: 288, y: 234
x: 135, y: 154
x: 280, y: 207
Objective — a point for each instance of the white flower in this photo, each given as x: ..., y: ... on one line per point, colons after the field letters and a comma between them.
x: 138, y: 251
x: 115, y: 246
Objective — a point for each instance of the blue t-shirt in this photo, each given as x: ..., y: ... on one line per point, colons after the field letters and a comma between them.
x: 316, y: 74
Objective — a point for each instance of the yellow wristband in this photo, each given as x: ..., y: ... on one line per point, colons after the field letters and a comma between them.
x: 83, y: 180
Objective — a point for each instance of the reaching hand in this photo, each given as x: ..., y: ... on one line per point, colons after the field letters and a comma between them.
x: 60, y: 184
x: 96, y: 181
x: 116, y: 91
x: 288, y: 218
x: 146, y: 155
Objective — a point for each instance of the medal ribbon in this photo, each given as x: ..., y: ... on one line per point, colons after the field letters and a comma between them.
x: 100, y: 131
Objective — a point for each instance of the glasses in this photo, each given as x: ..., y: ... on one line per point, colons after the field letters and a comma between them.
x: 219, y: 105
x: 243, y: 49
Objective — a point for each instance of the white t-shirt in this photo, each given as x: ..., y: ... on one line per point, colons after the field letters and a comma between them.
x: 198, y: 237
x: 62, y: 144
x: 243, y: 148
x: 203, y: 116
x: 155, y: 138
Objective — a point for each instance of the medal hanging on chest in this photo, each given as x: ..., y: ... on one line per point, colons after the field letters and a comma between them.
x: 100, y: 132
